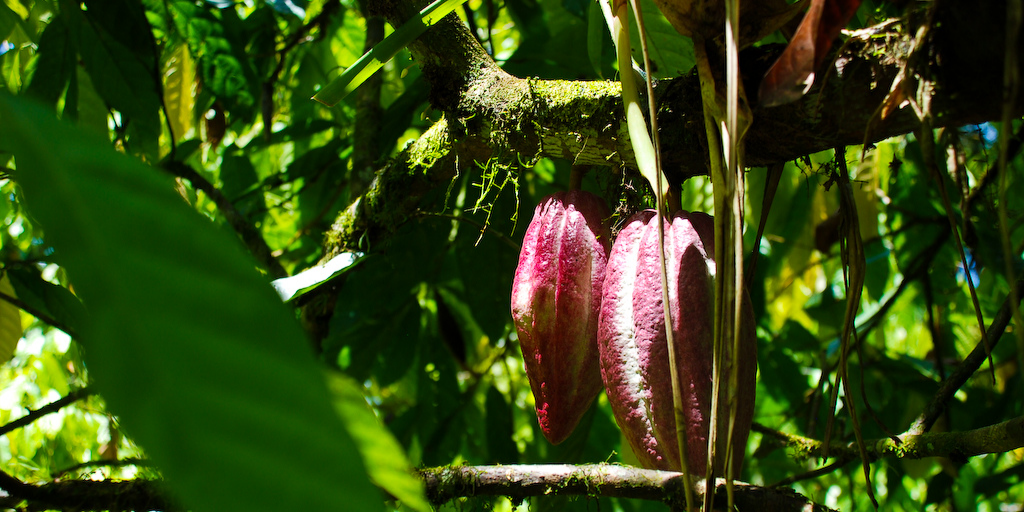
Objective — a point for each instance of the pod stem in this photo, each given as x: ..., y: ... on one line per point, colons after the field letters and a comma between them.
x: 576, y: 176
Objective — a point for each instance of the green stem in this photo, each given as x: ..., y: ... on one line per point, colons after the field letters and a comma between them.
x: 640, y: 139
x: 646, y: 155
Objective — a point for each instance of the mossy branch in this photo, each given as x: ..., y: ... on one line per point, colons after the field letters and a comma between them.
x: 595, y: 480
x: 999, y: 438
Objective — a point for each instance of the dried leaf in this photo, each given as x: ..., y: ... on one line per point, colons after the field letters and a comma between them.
x: 792, y: 75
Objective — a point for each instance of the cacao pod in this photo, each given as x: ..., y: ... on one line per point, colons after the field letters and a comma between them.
x: 556, y: 300
x: 634, y: 350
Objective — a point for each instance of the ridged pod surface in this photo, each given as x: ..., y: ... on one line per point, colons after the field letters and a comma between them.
x: 556, y: 300
x: 634, y: 350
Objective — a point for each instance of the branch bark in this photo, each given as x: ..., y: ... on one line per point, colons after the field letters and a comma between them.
x: 605, y: 480
x: 998, y: 438
x: 491, y: 114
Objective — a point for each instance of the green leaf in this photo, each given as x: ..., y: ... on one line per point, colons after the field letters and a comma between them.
x: 121, y: 71
x: 56, y: 62
x: 8, y: 20
x: 215, y: 38
x: 188, y: 344
x: 308, y: 280
x: 10, y: 321
x: 179, y: 79
x: 384, y: 457
x: 671, y: 54
x: 49, y: 298
x: 501, y: 448
x: 380, y: 54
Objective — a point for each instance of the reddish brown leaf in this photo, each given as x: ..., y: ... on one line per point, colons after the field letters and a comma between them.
x: 792, y: 75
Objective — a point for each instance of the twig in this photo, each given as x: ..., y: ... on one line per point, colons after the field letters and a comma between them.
x: 1013, y: 148
x: 49, y: 408
x: 501, y: 236
x: 114, y: 463
x: 250, y: 236
x: 812, y: 474
x: 970, y: 364
x: 328, y: 10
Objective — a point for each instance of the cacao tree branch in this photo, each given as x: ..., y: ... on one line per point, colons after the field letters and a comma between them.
x: 49, y: 408
x: 596, y: 480
x: 998, y: 438
x: 84, y: 495
x: 491, y: 114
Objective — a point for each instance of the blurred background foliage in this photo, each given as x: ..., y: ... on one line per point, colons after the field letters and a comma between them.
x: 223, y: 88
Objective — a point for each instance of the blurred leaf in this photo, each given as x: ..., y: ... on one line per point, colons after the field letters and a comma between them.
x: 781, y: 376
x: 793, y: 73
x: 49, y: 298
x: 991, y: 485
x: 10, y: 321
x: 116, y: 48
x: 239, y: 178
x: 56, y: 62
x: 8, y: 20
x: 187, y: 343
x: 501, y: 448
x: 384, y: 457
x: 876, y: 279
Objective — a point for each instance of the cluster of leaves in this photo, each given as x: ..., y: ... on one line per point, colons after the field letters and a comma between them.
x: 205, y: 368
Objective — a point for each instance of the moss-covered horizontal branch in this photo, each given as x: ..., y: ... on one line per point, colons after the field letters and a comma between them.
x: 595, y: 480
x: 999, y: 438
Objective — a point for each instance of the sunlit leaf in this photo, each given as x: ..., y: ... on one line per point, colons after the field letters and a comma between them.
x: 307, y: 280
x: 384, y: 457
x: 380, y: 54
x: 10, y: 321
x: 179, y: 95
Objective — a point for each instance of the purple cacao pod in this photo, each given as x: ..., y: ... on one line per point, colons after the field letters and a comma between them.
x: 634, y: 350
x: 556, y: 300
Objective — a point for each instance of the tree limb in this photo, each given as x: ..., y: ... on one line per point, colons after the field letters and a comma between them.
x: 83, y: 495
x: 998, y: 438
x: 605, y: 480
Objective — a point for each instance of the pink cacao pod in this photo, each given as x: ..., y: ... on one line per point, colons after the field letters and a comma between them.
x: 634, y: 350
x: 556, y: 300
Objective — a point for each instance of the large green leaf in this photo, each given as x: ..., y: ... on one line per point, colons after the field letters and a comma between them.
x: 188, y: 344
x: 56, y: 62
x: 121, y: 66
x: 388, y: 465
